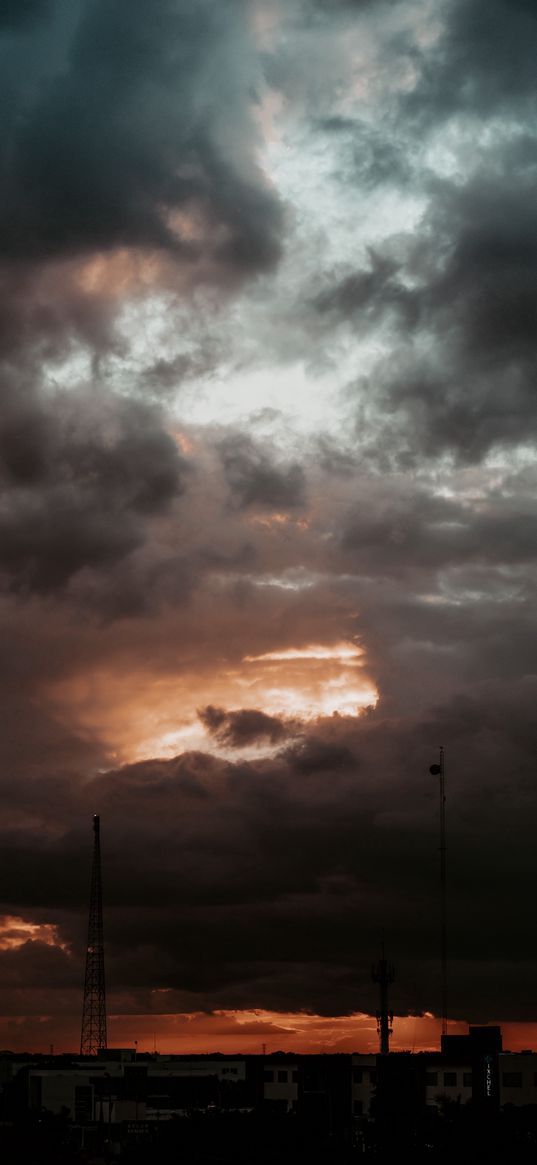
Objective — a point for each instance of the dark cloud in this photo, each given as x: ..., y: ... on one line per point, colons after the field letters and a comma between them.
x: 263, y: 883
x: 168, y: 375
x: 26, y: 968
x: 129, y: 160
x: 302, y: 854
x: 477, y: 304
x: 137, y: 579
x: 457, y: 298
x: 370, y: 154
x: 21, y: 13
x: 128, y: 130
x: 450, y: 302
x: 331, y: 7
x: 244, y: 727
x: 256, y: 478
x: 81, y: 478
x: 371, y: 295
x: 483, y: 63
x: 417, y: 530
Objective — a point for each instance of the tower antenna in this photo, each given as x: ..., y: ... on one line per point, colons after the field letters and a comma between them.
x: 439, y: 770
x: 383, y: 973
x: 93, y: 1035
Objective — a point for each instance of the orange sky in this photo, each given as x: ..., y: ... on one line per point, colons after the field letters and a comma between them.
x: 140, y: 713
x: 246, y: 1032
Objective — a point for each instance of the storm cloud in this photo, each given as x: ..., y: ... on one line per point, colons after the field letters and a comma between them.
x: 128, y: 122
x: 267, y: 520
x: 254, y: 873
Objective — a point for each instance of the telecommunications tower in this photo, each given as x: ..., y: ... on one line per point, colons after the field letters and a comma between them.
x: 383, y: 973
x: 439, y: 770
x: 93, y: 1036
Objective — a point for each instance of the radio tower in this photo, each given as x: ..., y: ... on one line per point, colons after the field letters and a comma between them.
x: 93, y: 1036
x: 383, y: 973
x: 439, y: 770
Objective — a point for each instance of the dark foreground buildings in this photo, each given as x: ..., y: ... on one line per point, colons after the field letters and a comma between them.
x: 470, y: 1101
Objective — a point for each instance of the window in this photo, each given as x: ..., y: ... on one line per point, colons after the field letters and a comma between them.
x: 467, y: 1079
x: 282, y: 1076
x: 268, y: 1075
x: 512, y: 1079
x: 431, y: 1078
x: 357, y: 1107
x: 450, y: 1079
x: 357, y: 1076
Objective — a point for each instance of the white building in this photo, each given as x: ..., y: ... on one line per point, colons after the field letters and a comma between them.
x: 364, y: 1081
x: 280, y: 1084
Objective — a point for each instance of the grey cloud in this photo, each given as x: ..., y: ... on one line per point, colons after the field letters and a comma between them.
x: 422, y: 532
x: 81, y: 480
x: 452, y: 303
x: 47, y: 315
x: 243, y: 727
x: 21, y: 13
x: 145, y: 582
x: 315, y: 755
x: 332, y: 7
x: 456, y: 301
x: 483, y: 63
x: 369, y: 155
x: 301, y: 855
x: 28, y: 966
x: 256, y: 478
x: 371, y: 295
x: 265, y: 884
x: 167, y: 375
x: 129, y: 128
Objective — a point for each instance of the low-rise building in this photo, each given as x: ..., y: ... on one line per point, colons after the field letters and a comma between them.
x: 363, y: 1084
x: 280, y: 1084
x: 518, y: 1078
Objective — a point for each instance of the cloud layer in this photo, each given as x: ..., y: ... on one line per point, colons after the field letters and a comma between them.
x: 267, y: 529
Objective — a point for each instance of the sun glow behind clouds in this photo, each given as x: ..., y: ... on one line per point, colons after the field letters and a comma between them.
x: 140, y: 715
x: 343, y: 651
x: 249, y: 1030
x: 15, y: 932
x: 335, y: 700
x: 312, y: 680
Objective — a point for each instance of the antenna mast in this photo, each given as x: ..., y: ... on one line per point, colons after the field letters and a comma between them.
x: 93, y: 1035
x: 383, y: 973
x: 439, y: 770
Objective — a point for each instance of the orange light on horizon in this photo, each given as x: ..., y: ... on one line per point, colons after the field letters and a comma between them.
x: 242, y: 1032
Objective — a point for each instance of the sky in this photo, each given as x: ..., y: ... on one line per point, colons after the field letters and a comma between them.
x: 268, y: 355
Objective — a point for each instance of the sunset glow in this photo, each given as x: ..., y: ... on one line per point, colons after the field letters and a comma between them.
x: 248, y: 1032
x: 15, y: 932
x: 146, y: 715
x: 339, y: 651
